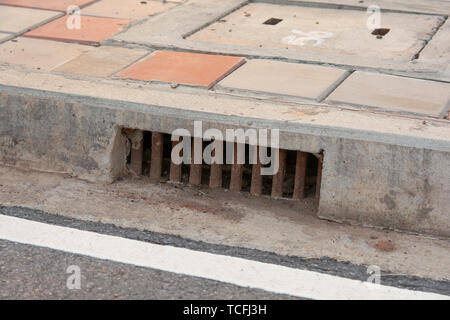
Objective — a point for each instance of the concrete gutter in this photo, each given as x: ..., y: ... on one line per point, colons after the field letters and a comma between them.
x: 378, y: 170
x: 383, y: 166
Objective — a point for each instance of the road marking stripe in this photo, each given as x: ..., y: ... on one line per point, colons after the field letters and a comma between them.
x: 237, y: 271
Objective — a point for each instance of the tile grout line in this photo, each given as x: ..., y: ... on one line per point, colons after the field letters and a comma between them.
x: 446, y: 111
x: 391, y: 72
x: 208, y: 23
x: 141, y: 58
x: 7, y: 38
x: 39, y: 24
x: 427, y: 41
x: 336, y: 6
x: 334, y: 86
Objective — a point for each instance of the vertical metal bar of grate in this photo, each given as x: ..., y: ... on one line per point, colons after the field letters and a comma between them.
x: 195, y: 171
x: 137, y: 149
x: 236, y: 171
x: 215, y: 178
x: 278, y: 178
x: 300, y: 175
x: 175, y: 169
x: 256, y: 183
x: 157, y: 156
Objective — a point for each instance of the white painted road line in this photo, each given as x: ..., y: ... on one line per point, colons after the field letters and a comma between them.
x: 238, y: 271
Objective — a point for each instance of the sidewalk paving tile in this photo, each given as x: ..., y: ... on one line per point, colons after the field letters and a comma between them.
x: 93, y: 30
x: 39, y: 54
x: 327, y: 31
x: 183, y: 68
x: 4, y: 36
x: 17, y: 20
x: 57, y: 5
x: 393, y: 93
x: 131, y: 9
x: 276, y: 77
x: 102, y: 61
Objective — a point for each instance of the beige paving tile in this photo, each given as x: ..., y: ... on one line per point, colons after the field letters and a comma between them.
x: 393, y: 93
x: 130, y: 9
x: 38, y: 54
x: 301, y: 80
x: 102, y: 61
x: 4, y: 36
x: 57, y: 5
x: 13, y: 19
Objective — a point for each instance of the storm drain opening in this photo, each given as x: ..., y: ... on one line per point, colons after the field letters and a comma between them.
x: 272, y: 21
x: 380, y: 32
x: 298, y: 175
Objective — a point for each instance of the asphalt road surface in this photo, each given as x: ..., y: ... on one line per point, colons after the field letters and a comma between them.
x: 32, y: 271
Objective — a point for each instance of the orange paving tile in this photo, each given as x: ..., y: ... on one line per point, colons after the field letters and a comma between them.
x: 183, y: 68
x: 57, y: 5
x: 93, y: 30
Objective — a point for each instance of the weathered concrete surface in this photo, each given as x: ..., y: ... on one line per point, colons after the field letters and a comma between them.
x: 378, y: 170
x: 438, y: 49
x: 224, y: 218
x: 387, y: 185
x: 342, y: 32
x: 59, y: 135
x: 173, y: 23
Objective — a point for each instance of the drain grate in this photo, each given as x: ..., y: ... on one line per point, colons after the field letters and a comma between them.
x: 298, y: 176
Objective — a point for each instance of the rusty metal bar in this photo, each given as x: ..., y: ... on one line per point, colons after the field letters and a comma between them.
x: 278, y: 178
x: 236, y: 172
x: 157, y: 156
x: 137, y: 148
x: 175, y: 169
x: 215, y: 178
x: 300, y: 175
x: 195, y: 172
x: 256, y: 183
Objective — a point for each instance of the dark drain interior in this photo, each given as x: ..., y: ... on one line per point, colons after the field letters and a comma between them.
x: 298, y: 177
x: 272, y: 21
x: 380, y: 32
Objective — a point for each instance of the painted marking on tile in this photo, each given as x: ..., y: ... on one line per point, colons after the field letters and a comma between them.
x: 237, y: 271
x: 303, y: 38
